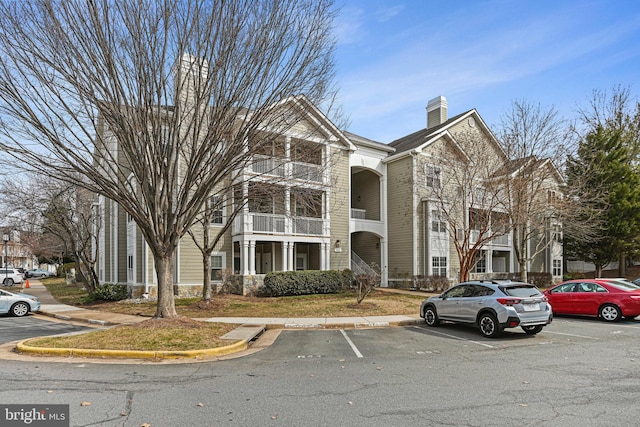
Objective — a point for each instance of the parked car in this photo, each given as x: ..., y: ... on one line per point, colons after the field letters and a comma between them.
x: 18, y: 304
x: 39, y: 272
x: 10, y: 276
x: 490, y: 305
x: 608, y: 299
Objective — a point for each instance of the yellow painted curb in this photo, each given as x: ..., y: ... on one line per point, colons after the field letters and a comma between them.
x: 130, y: 354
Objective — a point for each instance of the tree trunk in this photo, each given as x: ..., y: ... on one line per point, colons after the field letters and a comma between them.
x: 166, y: 304
x: 207, y: 290
x: 598, y: 271
x: 622, y: 266
x: 523, y: 270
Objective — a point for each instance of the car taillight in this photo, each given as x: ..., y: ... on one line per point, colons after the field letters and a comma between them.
x: 509, y: 301
x: 545, y: 299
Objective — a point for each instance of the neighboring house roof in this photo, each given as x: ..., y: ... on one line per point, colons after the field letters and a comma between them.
x: 527, y: 165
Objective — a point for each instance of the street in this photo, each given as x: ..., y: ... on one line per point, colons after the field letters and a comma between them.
x: 576, y: 372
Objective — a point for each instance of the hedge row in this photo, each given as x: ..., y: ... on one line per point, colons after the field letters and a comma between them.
x: 289, y: 283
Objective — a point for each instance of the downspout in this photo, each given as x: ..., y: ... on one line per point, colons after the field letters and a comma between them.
x: 425, y: 238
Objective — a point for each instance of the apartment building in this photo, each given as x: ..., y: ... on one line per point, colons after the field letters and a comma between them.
x: 336, y: 201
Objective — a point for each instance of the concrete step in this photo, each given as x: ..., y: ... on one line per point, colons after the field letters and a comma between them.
x: 244, y: 332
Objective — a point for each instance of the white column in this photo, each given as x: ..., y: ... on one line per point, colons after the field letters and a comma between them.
x: 489, y: 260
x: 291, y: 254
x: 285, y: 257
x: 323, y: 256
x: 252, y: 257
x: 244, y: 257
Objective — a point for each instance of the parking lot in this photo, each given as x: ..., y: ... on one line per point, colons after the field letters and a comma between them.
x: 419, y: 340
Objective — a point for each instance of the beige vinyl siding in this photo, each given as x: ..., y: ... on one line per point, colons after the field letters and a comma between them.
x: 108, y: 240
x: 191, y: 265
x: 366, y: 195
x: 140, y: 264
x: 400, y: 218
x: 367, y: 247
x: 339, y: 209
x: 122, y: 246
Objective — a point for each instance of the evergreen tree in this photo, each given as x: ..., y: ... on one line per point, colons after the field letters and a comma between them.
x: 603, y: 166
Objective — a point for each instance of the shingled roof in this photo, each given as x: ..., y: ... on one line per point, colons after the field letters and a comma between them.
x: 418, y: 138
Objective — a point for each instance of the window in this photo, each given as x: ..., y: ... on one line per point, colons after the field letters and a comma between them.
x: 439, y: 266
x: 481, y: 266
x: 557, y: 267
x: 557, y: 233
x: 432, y: 176
x: 130, y: 267
x: 217, y: 210
x: 437, y: 224
x: 218, y: 262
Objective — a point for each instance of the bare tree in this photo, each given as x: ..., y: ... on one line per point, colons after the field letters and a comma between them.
x: 157, y: 104
x: 61, y: 217
x: 535, y: 140
x: 464, y: 184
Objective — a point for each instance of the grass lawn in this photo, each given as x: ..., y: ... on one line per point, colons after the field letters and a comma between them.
x: 186, y: 334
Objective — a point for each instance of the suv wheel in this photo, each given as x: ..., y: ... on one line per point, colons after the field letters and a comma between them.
x: 8, y: 282
x: 489, y: 326
x: 430, y: 316
x: 532, y: 330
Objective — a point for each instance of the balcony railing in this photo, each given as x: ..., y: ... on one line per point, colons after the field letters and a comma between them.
x: 276, y: 166
x: 502, y: 240
x: 278, y: 224
x: 268, y: 166
x: 307, y: 172
x: 358, y: 213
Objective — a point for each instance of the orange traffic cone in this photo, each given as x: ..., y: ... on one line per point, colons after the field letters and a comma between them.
x: 26, y: 284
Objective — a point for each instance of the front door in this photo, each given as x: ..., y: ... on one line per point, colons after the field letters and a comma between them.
x: 301, y: 261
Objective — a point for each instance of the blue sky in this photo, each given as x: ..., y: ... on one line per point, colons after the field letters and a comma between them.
x: 393, y: 56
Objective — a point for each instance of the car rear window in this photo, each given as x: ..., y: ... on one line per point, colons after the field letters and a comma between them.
x: 522, y: 291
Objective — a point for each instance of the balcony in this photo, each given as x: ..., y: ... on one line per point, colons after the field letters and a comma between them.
x: 278, y: 224
x: 503, y: 240
x: 273, y: 166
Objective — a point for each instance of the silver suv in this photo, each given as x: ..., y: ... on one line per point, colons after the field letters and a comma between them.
x: 490, y: 305
x: 10, y: 276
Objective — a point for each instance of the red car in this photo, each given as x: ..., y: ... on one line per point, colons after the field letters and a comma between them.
x: 609, y: 299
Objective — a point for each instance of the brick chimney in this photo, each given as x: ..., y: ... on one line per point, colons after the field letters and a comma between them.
x: 436, y: 111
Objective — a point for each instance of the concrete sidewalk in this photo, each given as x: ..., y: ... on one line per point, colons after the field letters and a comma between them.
x: 248, y: 327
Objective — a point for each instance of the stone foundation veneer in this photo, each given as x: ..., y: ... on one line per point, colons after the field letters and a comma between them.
x: 238, y: 285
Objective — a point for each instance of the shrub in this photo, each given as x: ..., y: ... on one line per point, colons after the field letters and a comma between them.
x: 110, y: 292
x: 289, y: 283
x: 365, y: 284
x: 437, y: 283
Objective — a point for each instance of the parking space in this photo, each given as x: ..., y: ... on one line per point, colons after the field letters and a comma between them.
x: 19, y: 328
x: 419, y: 340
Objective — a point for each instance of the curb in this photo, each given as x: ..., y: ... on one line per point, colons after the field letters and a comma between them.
x: 131, y: 354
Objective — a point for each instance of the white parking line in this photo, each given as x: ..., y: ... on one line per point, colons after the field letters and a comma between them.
x: 455, y: 337
x: 353, y: 346
x: 570, y: 335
